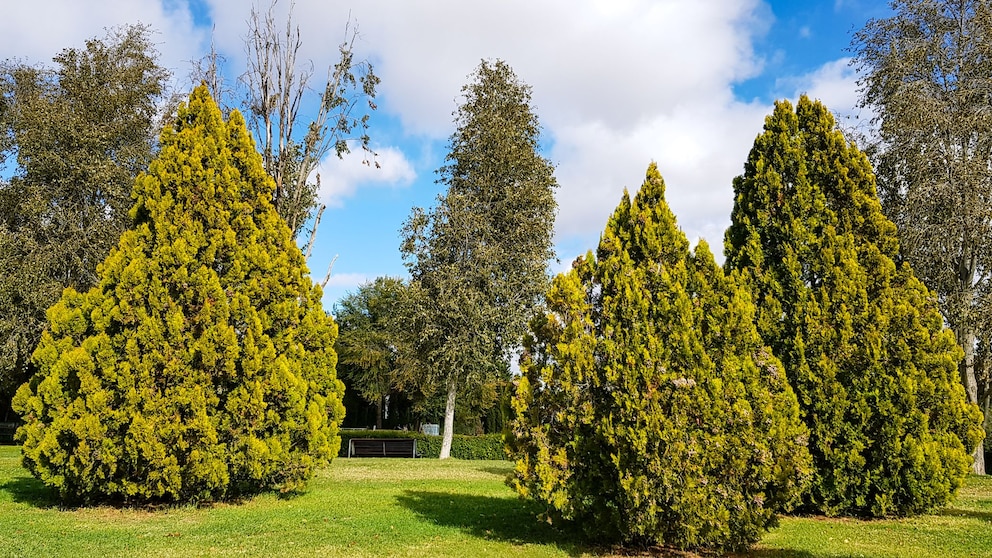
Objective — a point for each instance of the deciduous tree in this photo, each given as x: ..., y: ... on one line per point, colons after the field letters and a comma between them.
x: 77, y: 135
x: 376, y: 345
x: 479, y: 258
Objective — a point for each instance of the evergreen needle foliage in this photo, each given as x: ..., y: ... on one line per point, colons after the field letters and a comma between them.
x: 649, y: 411
x: 202, y: 365
x: 860, y: 336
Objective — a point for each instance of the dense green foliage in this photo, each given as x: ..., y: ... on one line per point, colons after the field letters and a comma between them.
x: 860, y: 336
x: 487, y: 446
x: 376, y: 346
x: 74, y: 137
x: 649, y: 411
x: 202, y: 365
x: 925, y: 76
x: 479, y: 259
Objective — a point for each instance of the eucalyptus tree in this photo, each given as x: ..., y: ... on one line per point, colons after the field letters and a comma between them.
x: 292, y: 146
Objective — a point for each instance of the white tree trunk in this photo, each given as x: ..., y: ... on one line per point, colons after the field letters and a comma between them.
x: 971, y: 388
x: 449, y: 421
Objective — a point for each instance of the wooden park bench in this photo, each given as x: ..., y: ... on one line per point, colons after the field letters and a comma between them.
x: 382, y: 447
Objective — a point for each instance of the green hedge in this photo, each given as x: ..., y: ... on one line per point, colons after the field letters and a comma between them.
x: 489, y: 446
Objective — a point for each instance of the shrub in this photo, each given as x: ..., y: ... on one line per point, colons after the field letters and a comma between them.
x: 202, y: 365
x: 649, y: 412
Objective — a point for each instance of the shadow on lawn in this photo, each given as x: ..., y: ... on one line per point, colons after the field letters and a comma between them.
x: 31, y: 491
x: 973, y: 514
x: 502, y: 519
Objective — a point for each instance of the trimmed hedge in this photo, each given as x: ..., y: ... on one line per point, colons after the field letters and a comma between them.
x: 488, y: 446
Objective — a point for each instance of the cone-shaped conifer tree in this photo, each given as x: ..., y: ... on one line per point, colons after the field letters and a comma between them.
x: 649, y: 411
x: 861, y: 338
x: 202, y: 365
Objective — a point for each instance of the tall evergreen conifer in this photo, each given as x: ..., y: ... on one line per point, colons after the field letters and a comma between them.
x: 202, y: 365
x: 860, y: 337
x: 649, y: 411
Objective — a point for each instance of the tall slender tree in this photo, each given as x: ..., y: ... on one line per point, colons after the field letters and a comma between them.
x: 77, y: 134
x: 479, y: 258
x: 202, y: 364
x: 860, y: 336
x: 927, y: 74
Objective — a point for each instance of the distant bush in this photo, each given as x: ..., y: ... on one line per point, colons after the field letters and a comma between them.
x: 488, y: 446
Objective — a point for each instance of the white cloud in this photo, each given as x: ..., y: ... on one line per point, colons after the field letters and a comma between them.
x: 340, y: 178
x: 616, y: 84
x: 699, y: 149
x: 835, y: 84
x: 347, y: 281
x: 37, y: 30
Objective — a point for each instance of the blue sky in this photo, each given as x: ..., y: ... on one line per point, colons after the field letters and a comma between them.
x: 616, y: 83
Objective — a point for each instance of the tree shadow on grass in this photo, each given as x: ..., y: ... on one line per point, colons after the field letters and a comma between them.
x: 973, y: 514
x: 31, y: 491
x: 515, y: 521
x: 501, y: 519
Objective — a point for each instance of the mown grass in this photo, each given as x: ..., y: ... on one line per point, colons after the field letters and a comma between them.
x: 379, y: 507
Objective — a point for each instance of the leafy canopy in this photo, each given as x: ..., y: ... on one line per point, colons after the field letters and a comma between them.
x: 75, y: 136
x: 479, y: 258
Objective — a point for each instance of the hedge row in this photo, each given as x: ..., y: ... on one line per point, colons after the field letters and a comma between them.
x: 489, y: 446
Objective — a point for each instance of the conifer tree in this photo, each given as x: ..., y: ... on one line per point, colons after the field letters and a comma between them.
x: 861, y: 338
x: 649, y: 411
x: 202, y: 365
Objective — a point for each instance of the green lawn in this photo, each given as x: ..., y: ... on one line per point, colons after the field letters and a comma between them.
x: 377, y: 507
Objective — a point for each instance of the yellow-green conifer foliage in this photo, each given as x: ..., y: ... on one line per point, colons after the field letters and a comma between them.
x: 860, y: 336
x: 649, y: 411
x: 202, y: 365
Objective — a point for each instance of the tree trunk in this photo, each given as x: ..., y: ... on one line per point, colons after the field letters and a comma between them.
x: 378, y: 414
x: 970, y: 383
x: 449, y: 421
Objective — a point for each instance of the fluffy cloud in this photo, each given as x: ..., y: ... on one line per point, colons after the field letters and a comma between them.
x: 37, y: 30
x: 340, y: 178
x: 834, y: 83
x: 616, y: 83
